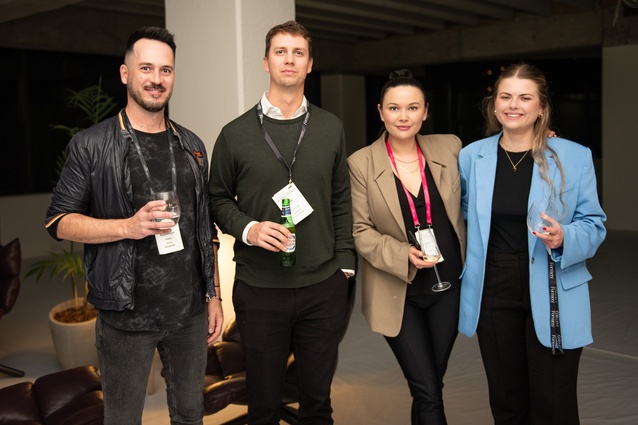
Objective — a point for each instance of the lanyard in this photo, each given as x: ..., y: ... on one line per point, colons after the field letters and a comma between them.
x: 424, y: 183
x: 129, y: 128
x: 304, y: 127
x: 554, y: 322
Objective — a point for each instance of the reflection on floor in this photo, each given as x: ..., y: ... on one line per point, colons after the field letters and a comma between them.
x: 369, y: 388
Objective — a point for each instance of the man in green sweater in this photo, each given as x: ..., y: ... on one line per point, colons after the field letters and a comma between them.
x: 286, y: 147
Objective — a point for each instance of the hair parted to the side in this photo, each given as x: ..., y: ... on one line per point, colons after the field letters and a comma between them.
x: 151, y: 33
x: 541, y: 126
x: 398, y: 78
x: 293, y: 28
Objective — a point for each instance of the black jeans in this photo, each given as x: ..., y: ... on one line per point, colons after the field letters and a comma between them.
x: 308, y: 320
x: 527, y: 384
x: 423, y: 348
x: 125, y: 361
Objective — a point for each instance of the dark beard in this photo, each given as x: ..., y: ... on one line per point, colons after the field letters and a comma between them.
x: 148, y: 106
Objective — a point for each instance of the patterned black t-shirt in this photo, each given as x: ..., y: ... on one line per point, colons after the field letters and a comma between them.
x: 169, y: 289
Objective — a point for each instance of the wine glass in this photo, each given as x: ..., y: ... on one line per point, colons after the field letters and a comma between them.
x: 539, y: 216
x: 431, y: 253
x: 172, y: 205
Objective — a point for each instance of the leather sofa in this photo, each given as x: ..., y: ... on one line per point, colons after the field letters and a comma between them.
x: 68, y: 397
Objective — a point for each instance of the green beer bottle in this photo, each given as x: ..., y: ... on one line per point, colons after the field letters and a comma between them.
x: 287, y: 258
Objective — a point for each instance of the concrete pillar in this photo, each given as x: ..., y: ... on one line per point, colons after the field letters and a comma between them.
x: 219, y: 65
x: 345, y: 96
x: 620, y: 136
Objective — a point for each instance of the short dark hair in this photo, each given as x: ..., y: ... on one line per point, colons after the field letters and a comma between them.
x: 292, y: 28
x: 151, y: 33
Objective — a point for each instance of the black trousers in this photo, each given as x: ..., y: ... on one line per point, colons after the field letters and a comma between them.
x: 527, y: 384
x: 423, y: 348
x: 308, y: 320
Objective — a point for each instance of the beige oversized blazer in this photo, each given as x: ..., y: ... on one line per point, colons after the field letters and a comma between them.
x: 379, y: 230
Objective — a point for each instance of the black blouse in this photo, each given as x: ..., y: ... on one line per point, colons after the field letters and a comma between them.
x: 508, y: 231
x: 448, y: 242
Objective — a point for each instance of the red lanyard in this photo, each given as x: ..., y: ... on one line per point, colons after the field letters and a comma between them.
x: 424, y: 183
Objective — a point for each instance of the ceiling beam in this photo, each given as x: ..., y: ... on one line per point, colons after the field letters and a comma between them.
x: 303, y: 14
x: 427, y: 24
x: 476, y: 7
x: 16, y: 9
x: 314, y: 25
x: 536, y: 7
x: 421, y: 9
x: 528, y: 36
x: 153, y: 8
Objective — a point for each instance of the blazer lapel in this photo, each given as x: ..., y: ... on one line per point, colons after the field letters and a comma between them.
x: 485, y: 176
x: 384, y: 178
x: 434, y: 164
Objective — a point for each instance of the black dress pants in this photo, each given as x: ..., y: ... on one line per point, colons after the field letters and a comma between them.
x: 423, y: 348
x: 527, y: 384
x: 308, y: 320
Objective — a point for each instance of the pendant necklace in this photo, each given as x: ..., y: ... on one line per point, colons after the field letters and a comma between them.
x: 514, y: 166
x: 408, y: 171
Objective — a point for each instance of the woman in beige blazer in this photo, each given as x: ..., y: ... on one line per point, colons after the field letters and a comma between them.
x: 398, y: 301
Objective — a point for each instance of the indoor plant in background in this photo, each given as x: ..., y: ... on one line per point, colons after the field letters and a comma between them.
x: 72, y: 322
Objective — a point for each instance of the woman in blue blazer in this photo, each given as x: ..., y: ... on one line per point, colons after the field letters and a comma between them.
x: 531, y: 366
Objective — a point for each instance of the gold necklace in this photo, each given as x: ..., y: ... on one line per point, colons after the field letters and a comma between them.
x: 510, y: 159
x: 407, y: 162
x: 406, y: 170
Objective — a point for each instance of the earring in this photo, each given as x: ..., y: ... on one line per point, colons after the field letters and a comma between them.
x: 540, y: 115
x: 494, y: 111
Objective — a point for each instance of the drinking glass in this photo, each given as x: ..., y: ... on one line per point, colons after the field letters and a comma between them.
x: 431, y: 253
x: 538, y: 216
x: 172, y: 205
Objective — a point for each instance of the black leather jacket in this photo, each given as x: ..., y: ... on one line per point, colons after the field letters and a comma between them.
x: 96, y: 182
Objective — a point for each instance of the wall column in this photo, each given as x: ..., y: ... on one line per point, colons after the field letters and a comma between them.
x: 219, y: 64
x: 620, y: 140
x: 345, y: 96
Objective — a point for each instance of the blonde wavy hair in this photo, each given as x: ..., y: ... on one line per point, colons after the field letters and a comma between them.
x: 541, y: 126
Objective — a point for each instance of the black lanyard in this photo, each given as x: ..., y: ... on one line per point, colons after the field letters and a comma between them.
x: 304, y: 127
x: 554, y: 321
x: 131, y: 131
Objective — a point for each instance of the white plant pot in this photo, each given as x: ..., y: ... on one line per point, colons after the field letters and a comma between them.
x: 74, y: 342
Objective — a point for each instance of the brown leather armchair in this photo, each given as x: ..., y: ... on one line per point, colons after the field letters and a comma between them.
x: 10, y: 262
x: 225, y: 381
x: 68, y: 397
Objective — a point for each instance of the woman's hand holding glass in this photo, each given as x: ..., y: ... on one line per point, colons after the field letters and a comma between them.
x: 542, y: 222
x: 416, y: 258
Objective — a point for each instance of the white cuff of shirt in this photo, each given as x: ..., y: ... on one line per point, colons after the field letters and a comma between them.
x: 244, y: 234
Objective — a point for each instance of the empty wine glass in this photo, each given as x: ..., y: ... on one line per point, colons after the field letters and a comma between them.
x: 539, y: 215
x: 172, y: 205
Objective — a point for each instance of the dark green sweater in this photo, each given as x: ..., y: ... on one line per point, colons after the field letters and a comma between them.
x: 245, y: 174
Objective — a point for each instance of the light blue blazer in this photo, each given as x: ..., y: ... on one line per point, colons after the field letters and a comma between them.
x: 582, y: 225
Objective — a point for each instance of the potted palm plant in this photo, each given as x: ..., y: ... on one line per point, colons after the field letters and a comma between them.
x: 73, y: 322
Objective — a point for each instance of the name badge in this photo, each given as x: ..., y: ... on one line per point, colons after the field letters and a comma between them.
x: 170, y: 242
x: 429, y: 246
x: 299, y: 206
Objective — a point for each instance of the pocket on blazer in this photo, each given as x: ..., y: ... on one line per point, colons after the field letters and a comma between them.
x: 573, y: 276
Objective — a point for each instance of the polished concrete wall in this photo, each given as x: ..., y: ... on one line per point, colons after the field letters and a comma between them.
x: 620, y: 136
